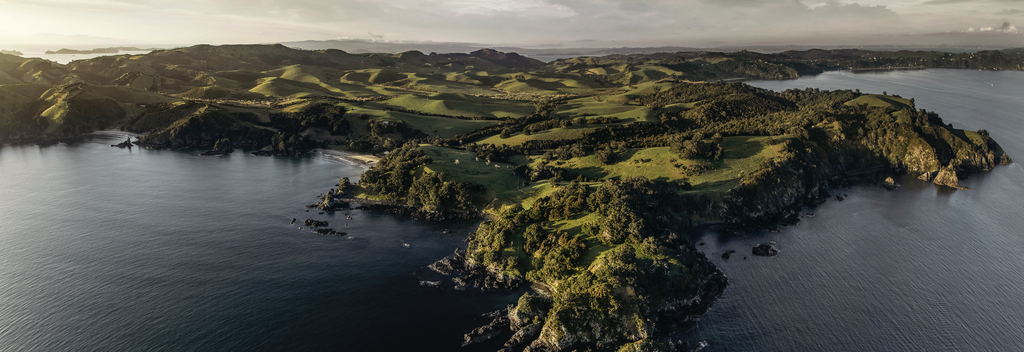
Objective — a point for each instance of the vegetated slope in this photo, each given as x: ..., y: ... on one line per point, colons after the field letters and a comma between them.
x: 46, y: 101
x: 595, y: 218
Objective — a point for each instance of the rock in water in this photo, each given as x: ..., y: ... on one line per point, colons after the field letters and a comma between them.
x: 315, y: 223
x: 890, y: 184
x: 769, y: 249
x: 488, y: 331
x: 947, y: 177
x: 126, y: 144
x: 728, y: 254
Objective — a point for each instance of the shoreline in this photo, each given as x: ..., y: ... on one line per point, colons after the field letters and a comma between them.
x: 362, y: 160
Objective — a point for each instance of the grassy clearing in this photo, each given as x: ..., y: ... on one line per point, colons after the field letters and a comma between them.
x: 592, y: 108
x: 283, y: 87
x: 441, y: 84
x: 974, y: 137
x: 462, y: 166
x: 884, y: 101
x: 433, y: 125
x: 460, y: 105
x: 548, y: 84
x: 552, y: 134
x: 742, y: 154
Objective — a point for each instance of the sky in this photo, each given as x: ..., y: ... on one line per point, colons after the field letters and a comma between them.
x: 83, y: 24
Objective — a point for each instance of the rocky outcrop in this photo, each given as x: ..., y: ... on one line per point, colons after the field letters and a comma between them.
x: 328, y: 202
x: 523, y: 336
x: 890, y: 184
x: 769, y: 249
x: 488, y: 331
x: 315, y: 223
x: 222, y: 147
x: 329, y: 232
x: 728, y: 254
x: 334, y: 200
x: 688, y: 309
x: 126, y: 144
x: 947, y: 177
x: 431, y: 284
x: 471, y: 275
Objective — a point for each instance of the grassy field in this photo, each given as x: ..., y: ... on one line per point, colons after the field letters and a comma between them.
x: 741, y: 154
x: 592, y: 108
x: 439, y: 83
x: 460, y: 105
x: 548, y: 84
x: 884, y: 101
x: 433, y: 125
x: 462, y: 166
x: 552, y: 134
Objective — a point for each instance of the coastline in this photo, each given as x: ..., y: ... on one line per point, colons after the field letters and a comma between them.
x: 362, y: 160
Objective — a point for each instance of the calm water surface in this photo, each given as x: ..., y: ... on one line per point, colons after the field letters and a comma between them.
x: 104, y: 249
x: 917, y: 269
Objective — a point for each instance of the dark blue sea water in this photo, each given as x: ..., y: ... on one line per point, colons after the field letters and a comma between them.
x: 917, y: 269
x: 104, y: 249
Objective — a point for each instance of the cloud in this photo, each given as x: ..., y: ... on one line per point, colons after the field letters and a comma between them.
x: 945, y: 2
x: 628, y: 22
x: 1009, y: 12
x: 1006, y: 28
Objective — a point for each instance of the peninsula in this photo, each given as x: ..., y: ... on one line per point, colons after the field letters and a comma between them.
x: 589, y: 171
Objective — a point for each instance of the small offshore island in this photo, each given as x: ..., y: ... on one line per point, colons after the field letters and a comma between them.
x: 589, y: 171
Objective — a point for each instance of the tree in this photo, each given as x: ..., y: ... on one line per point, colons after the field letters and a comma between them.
x: 605, y: 156
x: 554, y: 181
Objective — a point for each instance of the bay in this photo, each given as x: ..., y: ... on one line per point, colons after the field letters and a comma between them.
x: 104, y: 249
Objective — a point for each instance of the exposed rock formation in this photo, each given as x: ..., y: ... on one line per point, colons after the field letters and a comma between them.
x: 315, y: 223
x: 947, y: 177
x: 126, y: 144
x: 769, y: 249
x: 890, y: 184
x: 473, y: 275
x: 489, y: 331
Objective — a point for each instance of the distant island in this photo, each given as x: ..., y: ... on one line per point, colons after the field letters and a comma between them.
x: 588, y: 172
x: 11, y: 52
x: 112, y: 50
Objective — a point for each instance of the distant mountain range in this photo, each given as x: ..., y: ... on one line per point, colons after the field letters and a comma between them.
x: 357, y: 46
x: 113, y: 50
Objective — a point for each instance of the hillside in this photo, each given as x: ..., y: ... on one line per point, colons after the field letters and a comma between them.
x: 582, y: 213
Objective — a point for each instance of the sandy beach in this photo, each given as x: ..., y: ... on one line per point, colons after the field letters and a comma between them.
x: 364, y: 160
